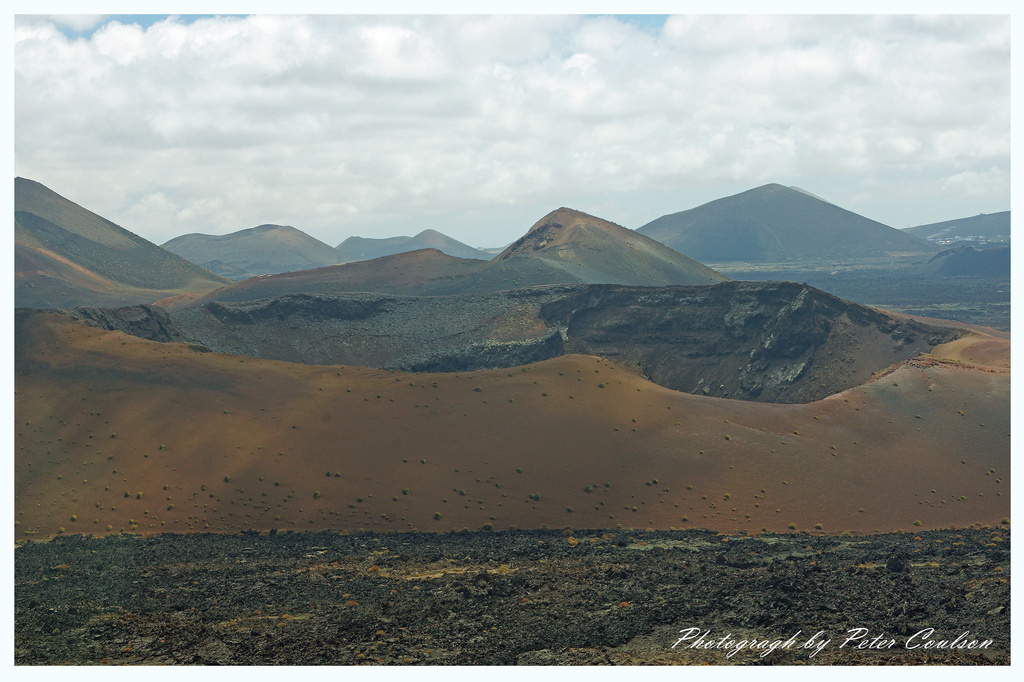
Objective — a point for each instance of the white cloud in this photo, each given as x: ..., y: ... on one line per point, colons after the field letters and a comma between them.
x: 374, y: 124
x: 991, y: 182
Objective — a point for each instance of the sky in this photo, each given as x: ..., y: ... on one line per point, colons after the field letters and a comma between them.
x: 478, y: 125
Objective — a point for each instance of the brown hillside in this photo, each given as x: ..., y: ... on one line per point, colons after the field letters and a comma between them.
x: 118, y: 433
x: 421, y: 272
x: 598, y: 251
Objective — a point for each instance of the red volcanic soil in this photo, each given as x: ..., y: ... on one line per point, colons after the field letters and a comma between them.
x: 979, y: 349
x: 406, y: 272
x: 115, y: 433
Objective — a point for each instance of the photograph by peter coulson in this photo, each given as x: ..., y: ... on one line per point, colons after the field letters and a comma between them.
x: 511, y: 339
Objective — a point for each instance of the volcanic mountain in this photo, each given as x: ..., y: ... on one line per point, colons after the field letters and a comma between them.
x: 262, y: 250
x: 592, y: 250
x: 66, y: 255
x: 965, y: 260
x: 773, y: 223
x: 120, y: 434
x: 426, y: 272
x: 991, y: 226
x: 565, y: 247
x: 365, y: 248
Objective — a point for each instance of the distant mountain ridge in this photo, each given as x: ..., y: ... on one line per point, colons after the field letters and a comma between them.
x: 773, y: 223
x: 261, y: 250
x: 366, y: 248
x: 989, y: 226
x: 564, y: 247
x: 66, y: 255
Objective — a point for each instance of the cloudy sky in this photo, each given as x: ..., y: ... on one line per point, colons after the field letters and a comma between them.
x: 479, y: 125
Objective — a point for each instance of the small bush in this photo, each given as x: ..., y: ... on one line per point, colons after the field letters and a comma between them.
x: 437, y: 516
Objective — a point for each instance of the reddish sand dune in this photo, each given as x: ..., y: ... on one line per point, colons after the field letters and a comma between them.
x: 115, y: 433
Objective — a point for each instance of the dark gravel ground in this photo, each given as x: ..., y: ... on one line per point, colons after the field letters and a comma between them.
x: 503, y: 598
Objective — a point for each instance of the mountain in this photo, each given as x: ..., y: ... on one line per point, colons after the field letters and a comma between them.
x: 67, y: 256
x: 966, y: 260
x: 365, y: 248
x: 262, y: 250
x: 989, y: 227
x: 775, y: 223
x: 592, y: 250
x: 426, y: 272
x: 564, y: 247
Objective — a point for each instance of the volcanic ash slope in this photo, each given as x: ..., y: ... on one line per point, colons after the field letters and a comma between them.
x: 117, y: 433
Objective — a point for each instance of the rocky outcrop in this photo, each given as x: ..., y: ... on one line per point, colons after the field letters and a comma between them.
x: 764, y: 341
x: 146, y: 321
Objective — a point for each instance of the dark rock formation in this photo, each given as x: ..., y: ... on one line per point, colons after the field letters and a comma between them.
x: 765, y: 341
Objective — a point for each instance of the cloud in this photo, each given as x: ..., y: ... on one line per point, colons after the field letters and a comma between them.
x: 978, y: 183
x: 78, y: 23
x: 376, y: 124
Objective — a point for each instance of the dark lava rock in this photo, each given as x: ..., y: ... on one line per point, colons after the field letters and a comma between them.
x: 506, y: 598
